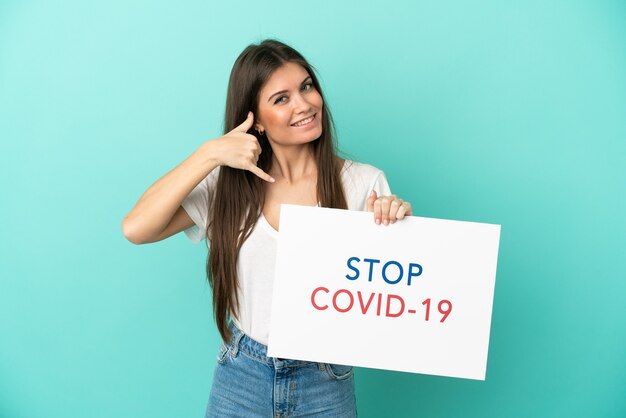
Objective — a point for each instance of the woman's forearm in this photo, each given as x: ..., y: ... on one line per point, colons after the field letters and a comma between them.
x: 156, y: 207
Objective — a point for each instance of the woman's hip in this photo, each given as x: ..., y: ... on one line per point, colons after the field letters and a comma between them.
x: 247, y: 382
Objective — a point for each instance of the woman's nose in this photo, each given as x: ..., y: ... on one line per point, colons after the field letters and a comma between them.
x: 301, y: 105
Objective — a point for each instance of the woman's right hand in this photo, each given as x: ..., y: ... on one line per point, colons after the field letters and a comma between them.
x: 239, y: 149
x: 158, y: 214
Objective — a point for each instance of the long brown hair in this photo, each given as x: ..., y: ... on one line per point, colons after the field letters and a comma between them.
x: 239, y: 194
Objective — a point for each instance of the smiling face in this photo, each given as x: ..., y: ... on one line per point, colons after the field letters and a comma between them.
x: 287, y: 102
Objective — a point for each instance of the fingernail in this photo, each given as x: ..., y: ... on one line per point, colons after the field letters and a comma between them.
x: 386, y: 222
x: 272, y: 179
x: 377, y: 221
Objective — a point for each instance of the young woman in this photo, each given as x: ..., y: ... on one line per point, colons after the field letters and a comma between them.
x: 279, y: 147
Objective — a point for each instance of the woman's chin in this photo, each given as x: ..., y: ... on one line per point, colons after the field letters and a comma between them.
x: 300, y: 139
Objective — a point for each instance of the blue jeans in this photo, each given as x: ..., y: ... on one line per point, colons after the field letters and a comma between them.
x: 247, y: 383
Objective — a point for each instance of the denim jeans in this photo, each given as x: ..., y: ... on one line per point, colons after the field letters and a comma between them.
x: 247, y: 383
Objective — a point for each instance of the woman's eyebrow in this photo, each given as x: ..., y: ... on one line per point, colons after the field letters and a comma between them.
x: 285, y: 91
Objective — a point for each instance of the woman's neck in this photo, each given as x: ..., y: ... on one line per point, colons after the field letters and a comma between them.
x: 292, y: 164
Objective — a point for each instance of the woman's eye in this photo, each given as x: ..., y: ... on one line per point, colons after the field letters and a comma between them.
x: 304, y: 87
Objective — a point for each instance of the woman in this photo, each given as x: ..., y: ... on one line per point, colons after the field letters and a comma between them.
x: 230, y: 191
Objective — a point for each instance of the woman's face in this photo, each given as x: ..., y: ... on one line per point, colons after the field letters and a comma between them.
x: 288, y: 98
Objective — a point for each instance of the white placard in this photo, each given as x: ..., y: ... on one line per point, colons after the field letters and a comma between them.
x: 415, y: 296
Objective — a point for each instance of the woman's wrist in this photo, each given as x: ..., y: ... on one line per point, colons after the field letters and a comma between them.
x: 208, y: 155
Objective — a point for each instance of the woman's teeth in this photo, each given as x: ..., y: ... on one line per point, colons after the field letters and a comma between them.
x: 304, y: 122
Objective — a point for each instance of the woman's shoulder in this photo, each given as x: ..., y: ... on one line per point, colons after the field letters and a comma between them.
x: 359, y: 179
x: 365, y: 171
x: 214, y: 174
x: 209, y: 182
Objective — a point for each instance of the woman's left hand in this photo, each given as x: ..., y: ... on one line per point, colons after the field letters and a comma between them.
x: 387, y: 209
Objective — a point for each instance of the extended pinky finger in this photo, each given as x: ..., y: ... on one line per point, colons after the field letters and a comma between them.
x: 262, y: 174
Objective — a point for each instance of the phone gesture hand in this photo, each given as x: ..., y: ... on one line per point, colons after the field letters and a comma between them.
x: 239, y: 149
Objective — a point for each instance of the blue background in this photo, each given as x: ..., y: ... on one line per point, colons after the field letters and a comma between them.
x: 503, y: 112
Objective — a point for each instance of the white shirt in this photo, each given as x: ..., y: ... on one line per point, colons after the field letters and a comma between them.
x: 255, y: 265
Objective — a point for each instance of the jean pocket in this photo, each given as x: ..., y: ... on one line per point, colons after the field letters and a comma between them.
x: 339, y: 371
x: 222, y: 353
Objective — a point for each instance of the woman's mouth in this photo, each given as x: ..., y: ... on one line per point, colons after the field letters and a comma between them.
x: 306, y: 122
